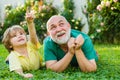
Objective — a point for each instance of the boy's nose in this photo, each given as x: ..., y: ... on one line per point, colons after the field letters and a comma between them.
x: 19, y: 36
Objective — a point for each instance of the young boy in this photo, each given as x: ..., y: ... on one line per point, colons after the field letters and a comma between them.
x: 24, y: 54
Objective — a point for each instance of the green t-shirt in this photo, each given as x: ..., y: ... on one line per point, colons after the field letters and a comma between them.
x: 52, y: 50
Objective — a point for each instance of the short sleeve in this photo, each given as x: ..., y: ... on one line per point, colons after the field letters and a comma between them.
x: 14, y: 63
x: 89, y: 50
x: 48, y: 52
x: 32, y: 46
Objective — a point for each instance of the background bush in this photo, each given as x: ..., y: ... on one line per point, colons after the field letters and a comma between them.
x: 43, y: 11
x: 104, y: 19
x: 17, y: 16
x: 68, y: 12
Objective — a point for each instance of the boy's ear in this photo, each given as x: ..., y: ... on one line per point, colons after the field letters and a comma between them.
x: 10, y: 46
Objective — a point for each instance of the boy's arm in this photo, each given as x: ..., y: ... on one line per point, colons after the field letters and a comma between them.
x: 20, y: 72
x: 31, y: 27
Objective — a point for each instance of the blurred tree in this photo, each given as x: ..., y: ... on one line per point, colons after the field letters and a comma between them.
x: 69, y: 14
x: 43, y: 11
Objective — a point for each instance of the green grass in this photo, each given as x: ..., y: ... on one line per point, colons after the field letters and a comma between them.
x: 108, y: 67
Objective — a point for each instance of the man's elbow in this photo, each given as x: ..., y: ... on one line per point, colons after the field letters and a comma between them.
x: 55, y: 69
x: 93, y: 69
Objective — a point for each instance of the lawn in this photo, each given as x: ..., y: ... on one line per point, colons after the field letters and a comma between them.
x: 108, y: 67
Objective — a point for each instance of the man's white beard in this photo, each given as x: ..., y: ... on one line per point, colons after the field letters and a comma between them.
x: 63, y: 40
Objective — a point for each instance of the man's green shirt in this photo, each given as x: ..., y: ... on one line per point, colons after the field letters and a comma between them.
x: 52, y: 50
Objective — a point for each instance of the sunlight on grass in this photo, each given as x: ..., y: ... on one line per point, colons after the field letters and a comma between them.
x: 108, y: 67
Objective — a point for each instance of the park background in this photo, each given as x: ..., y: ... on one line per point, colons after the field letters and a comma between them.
x: 98, y: 18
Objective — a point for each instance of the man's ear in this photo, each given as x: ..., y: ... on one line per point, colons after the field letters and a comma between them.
x: 69, y: 25
x: 48, y: 33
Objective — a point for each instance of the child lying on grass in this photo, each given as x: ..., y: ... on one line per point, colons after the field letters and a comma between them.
x: 24, y: 54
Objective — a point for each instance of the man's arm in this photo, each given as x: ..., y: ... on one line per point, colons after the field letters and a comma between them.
x: 84, y: 64
x: 62, y: 64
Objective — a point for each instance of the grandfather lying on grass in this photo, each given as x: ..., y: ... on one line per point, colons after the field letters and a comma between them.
x: 65, y: 46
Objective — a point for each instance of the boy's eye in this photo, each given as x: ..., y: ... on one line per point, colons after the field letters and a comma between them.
x: 21, y: 33
x: 14, y: 35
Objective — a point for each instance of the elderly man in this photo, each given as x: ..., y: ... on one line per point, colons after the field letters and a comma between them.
x: 64, y: 47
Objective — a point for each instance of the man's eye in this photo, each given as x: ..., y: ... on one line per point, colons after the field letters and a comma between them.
x: 61, y: 24
x: 52, y: 28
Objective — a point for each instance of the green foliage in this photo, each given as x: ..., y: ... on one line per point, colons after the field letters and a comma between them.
x: 16, y: 16
x: 108, y: 67
x: 41, y: 19
x: 91, y: 8
x: 93, y: 20
x: 43, y: 11
x: 13, y: 16
x: 68, y: 13
x: 104, y: 22
x: 110, y: 16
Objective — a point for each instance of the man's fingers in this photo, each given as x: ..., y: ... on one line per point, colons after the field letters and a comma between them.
x: 79, y: 41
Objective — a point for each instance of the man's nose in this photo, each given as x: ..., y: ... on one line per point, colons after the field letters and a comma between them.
x: 58, y: 28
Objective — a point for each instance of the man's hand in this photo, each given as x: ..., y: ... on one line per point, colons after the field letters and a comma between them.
x: 71, y: 45
x: 79, y: 42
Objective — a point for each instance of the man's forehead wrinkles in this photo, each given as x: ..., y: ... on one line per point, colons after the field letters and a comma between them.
x: 51, y: 23
x: 61, y: 21
x: 55, y: 21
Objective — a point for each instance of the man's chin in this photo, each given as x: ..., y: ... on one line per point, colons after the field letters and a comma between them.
x: 61, y: 42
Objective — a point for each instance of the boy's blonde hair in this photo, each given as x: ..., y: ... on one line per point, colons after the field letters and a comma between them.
x: 8, y: 34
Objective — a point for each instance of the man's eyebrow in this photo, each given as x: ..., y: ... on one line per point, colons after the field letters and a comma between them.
x: 60, y: 21
x: 51, y: 25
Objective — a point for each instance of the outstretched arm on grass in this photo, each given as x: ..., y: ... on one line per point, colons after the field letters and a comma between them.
x: 27, y: 75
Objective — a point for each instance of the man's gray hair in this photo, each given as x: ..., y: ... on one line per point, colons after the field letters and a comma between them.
x: 54, y: 17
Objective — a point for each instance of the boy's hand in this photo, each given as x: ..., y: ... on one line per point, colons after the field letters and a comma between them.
x: 30, y: 16
x: 28, y: 75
